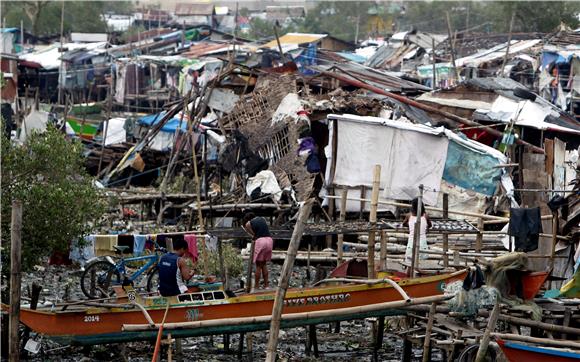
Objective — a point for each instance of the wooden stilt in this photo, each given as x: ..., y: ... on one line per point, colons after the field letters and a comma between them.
x: 250, y: 342
x: 308, y: 264
x: 407, y: 350
x: 226, y: 339
x: 554, y: 242
x: 250, y: 266
x: 383, y: 252
x: 15, y: 279
x: 445, y: 236
x: 417, y: 234
x: 380, y: 333
x: 453, y: 351
x: 307, y: 342
x: 340, y: 241
x: 427, y: 341
x: 303, y: 216
x: 313, y: 339
x: 241, y: 347
x: 479, y: 238
x: 566, y: 321
x: 482, y: 351
x: 373, y: 221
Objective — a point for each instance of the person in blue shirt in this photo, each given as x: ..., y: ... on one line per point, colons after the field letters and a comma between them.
x: 174, y: 271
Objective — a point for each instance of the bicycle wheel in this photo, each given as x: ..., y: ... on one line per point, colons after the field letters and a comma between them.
x: 469, y: 354
x: 98, y: 279
x: 153, y: 280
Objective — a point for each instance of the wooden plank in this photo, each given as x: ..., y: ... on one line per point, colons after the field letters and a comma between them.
x: 549, y: 163
x: 303, y: 216
x: 15, y: 278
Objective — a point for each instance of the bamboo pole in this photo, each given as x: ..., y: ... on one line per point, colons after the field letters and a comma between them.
x: 15, y: 279
x: 507, y: 49
x: 373, y: 220
x: 427, y: 341
x: 417, y: 233
x: 250, y: 266
x: 479, y: 238
x: 291, y: 316
x: 451, y: 47
x: 303, y: 216
x: 554, y: 242
x: 383, y: 252
x: 433, y: 85
x: 482, y: 351
x: 430, y: 208
x: 339, y: 247
x: 445, y: 236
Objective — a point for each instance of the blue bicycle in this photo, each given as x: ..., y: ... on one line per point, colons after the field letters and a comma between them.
x: 101, y: 276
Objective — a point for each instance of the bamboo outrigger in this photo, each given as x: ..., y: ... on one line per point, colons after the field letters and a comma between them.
x: 96, y: 325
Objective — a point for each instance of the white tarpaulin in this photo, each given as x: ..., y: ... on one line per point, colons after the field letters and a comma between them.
x: 409, y: 155
x: 163, y: 141
x: 267, y: 183
x: 115, y: 131
x: 35, y: 121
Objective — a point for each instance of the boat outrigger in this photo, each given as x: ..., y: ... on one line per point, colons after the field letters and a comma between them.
x: 137, y: 318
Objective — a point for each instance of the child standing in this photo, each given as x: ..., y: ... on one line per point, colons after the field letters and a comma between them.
x: 410, y: 221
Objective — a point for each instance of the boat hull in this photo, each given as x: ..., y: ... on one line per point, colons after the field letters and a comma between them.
x: 516, y: 352
x: 104, y: 325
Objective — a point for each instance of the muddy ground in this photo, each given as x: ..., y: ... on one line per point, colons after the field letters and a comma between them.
x: 353, y: 342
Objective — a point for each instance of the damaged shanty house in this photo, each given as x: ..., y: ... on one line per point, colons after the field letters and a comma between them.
x: 559, y: 78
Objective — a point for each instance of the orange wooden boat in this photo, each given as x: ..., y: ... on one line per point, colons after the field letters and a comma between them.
x: 529, y: 282
x: 95, y: 325
x: 516, y: 352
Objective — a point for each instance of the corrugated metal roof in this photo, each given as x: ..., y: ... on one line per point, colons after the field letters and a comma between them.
x: 497, y: 52
x: 295, y: 39
x: 194, y: 9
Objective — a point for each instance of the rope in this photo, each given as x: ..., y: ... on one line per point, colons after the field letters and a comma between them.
x: 160, y: 334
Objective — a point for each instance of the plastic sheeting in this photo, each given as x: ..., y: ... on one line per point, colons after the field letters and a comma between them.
x: 409, y: 155
x: 267, y: 182
x: 471, y: 170
x: 171, y: 126
x: 115, y: 131
x: 35, y: 121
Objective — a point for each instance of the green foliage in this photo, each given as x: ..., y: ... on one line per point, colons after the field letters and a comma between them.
x: 232, y: 259
x: 533, y: 16
x: 133, y: 30
x: 43, y: 17
x: 339, y: 18
x: 60, y: 202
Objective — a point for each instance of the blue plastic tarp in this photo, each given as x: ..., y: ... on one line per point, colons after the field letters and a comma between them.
x: 169, y: 127
x: 471, y: 169
x: 353, y: 57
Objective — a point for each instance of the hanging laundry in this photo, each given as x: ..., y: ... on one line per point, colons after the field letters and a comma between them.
x: 139, y: 242
x: 82, y: 254
x: 525, y: 225
x: 211, y: 243
x: 104, y: 244
x: 192, y: 252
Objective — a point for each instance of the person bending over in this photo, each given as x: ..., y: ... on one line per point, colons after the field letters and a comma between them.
x: 263, y: 244
x: 174, y: 271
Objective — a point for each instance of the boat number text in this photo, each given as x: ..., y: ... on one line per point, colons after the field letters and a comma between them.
x: 193, y: 315
x: 325, y: 299
x: 91, y: 318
